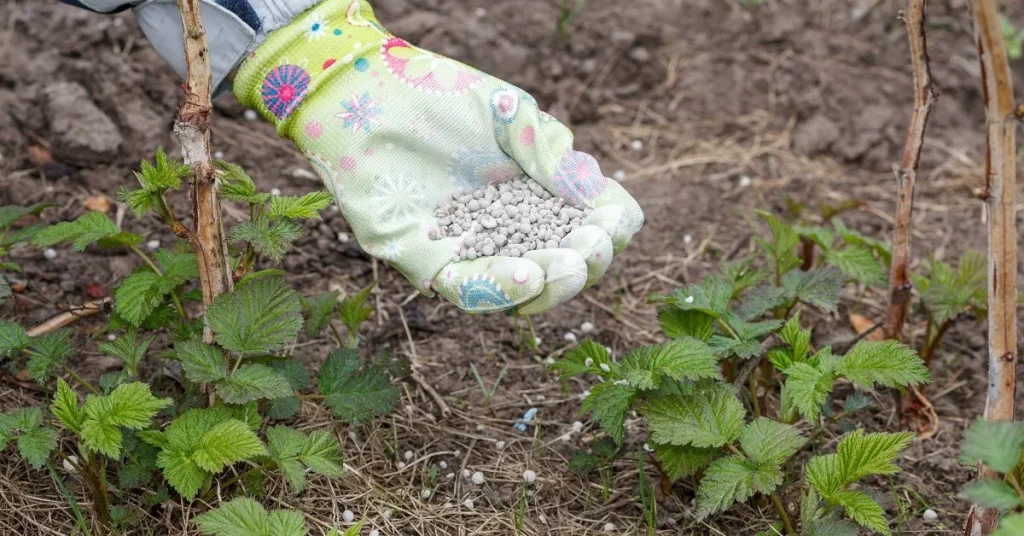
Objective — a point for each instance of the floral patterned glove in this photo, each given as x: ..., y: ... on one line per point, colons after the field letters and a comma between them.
x: 393, y: 129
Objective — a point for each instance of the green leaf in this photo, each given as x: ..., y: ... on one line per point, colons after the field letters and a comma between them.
x: 5, y: 290
x: 318, y: 310
x: 823, y: 473
x: 762, y: 300
x: 858, y: 263
x: 134, y: 476
x: 680, y: 461
x: 782, y: 246
x: 88, y: 228
x: 585, y: 357
x: 286, y: 523
x: 854, y: 238
x: 128, y: 350
x: 183, y: 474
x: 609, y: 403
x: 163, y: 173
x: 138, y: 296
x: 1010, y: 526
x: 831, y: 526
x: 12, y: 213
x: 236, y: 185
x: 270, y: 238
x: 819, y: 287
x: 284, y: 442
x: 864, y: 510
x: 798, y: 340
x: 65, y: 407
x: 711, y: 297
x: 709, y: 418
x: 886, y: 362
x: 294, y: 371
x: 36, y: 444
x: 819, y: 235
x: 321, y: 452
x: 47, y: 353
x: 808, y: 387
x: 140, y: 201
x: 258, y: 317
x: 997, y: 444
x: 365, y: 395
x: 947, y: 293
x: 283, y: 408
x: 226, y: 443
x: 677, y: 323
x: 304, y: 207
x: 253, y: 382
x: 681, y: 359
x: 178, y: 268
x: 12, y: 338
x: 353, y: 310
x: 768, y: 442
x: 238, y: 517
x: 861, y: 454
x: 992, y: 494
x: 201, y: 362
x: 583, y: 462
x: 130, y: 405
x: 726, y: 481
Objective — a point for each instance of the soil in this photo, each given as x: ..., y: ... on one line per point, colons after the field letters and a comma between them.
x: 790, y: 102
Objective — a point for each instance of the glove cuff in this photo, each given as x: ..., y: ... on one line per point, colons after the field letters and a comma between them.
x: 319, y: 45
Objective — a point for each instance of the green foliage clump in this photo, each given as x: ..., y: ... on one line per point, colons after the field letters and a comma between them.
x: 998, y: 445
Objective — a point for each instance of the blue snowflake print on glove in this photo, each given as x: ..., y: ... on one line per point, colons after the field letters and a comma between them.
x: 482, y: 293
x: 284, y: 88
x: 359, y: 113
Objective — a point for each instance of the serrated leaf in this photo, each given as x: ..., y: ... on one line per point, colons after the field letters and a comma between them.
x: 681, y: 359
x: 283, y: 408
x: 781, y: 248
x: 47, y: 353
x: 819, y: 235
x: 609, y: 403
x: 177, y: 267
x: 367, y: 394
x: 808, y: 388
x: 65, y: 407
x: 5, y: 290
x: 253, y: 382
x: 270, y: 238
x: 676, y: 323
x: 583, y: 462
x: 294, y: 371
x: 854, y: 238
x: 709, y: 418
x: 819, y: 287
x: 768, y: 442
x: 259, y: 317
x: 128, y: 349
x: 831, y: 527
x: 163, y: 173
x: 304, y: 207
x: 237, y: 517
x: 236, y: 185
x: 710, y: 297
x: 140, y: 201
x: 285, y: 523
x: 726, y: 481
x: 864, y: 510
x: 12, y: 213
x: 860, y: 454
x: 992, y: 494
x: 575, y: 361
x: 134, y: 476
x: 885, y: 362
x: 138, y: 296
x: 132, y: 406
x: 997, y: 444
x: 284, y: 442
x: 36, y: 444
x: 321, y: 452
x: 823, y: 473
x: 12, y: 338
x: 318, y: 310
x: 858, y: 263
x: 354, y: 309
x: 88, y: 228
x: 680, y: 461
x: 226, y: 443
x: 111, y: 380
x: 798, y: 340
x: 201, y: 362
x: 762, y: 300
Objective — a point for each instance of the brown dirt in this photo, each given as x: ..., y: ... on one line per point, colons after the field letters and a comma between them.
x: 809, y: 100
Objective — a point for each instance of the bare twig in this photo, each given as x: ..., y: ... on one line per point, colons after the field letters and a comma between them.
x: 1000, y: 188
x: 906, y: 175
x: 768, y: 344
x: 69, y: 317
x: 193, y: 130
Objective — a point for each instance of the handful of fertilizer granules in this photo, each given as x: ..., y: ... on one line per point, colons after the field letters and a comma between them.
x: 506, y: 219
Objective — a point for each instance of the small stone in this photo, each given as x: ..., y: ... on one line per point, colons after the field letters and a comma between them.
x: 569, y: 337
x: 443, y: 464
x: 605, y: 367
x: 529, y: 476
x: 468, y: 503
x: 619, y: 175
x: 480, y: 12
x: 640, y: 55
x: 577, y: 426
x: 450, y: 476
x: 637, y: 145
x: 609, y: 527
x: 50, y: 254
x: 687, y: 239
x: 343, y: 238
x: 111, y: 337
x: 219, y: 155
x: 480, y: 428
x: 537, y: 341
x: 348, y: 516
x: 152, y: 245
x: 386, y: 514
x: 477, y: 478
x: 275, y: 192
x: 587, y: 327
x: 408, y: 455
x: 400, y: 465
x: 465, y: 473
x: 374, y: 532
x: 499, y: 445
x: 67, y: 464
x: 745, y: 181
x: 588, y: 362
x: 930, y: 516
x: 426, y: 494
x: 250, y: 115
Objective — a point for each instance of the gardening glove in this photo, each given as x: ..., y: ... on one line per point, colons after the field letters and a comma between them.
x: 393, y: 130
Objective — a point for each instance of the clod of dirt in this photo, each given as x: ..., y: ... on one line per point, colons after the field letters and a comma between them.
x: 815, y: 135
x: 80, y: 133
x: 868, y: 131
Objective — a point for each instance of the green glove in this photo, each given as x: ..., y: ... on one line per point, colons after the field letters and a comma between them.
x: 393, y: 129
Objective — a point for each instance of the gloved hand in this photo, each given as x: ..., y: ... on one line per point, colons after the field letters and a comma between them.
x: 393, y: 129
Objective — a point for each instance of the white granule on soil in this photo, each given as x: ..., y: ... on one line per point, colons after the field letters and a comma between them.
x: 506, y: 219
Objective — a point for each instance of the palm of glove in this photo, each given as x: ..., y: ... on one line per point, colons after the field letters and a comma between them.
x: 394, y: 129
